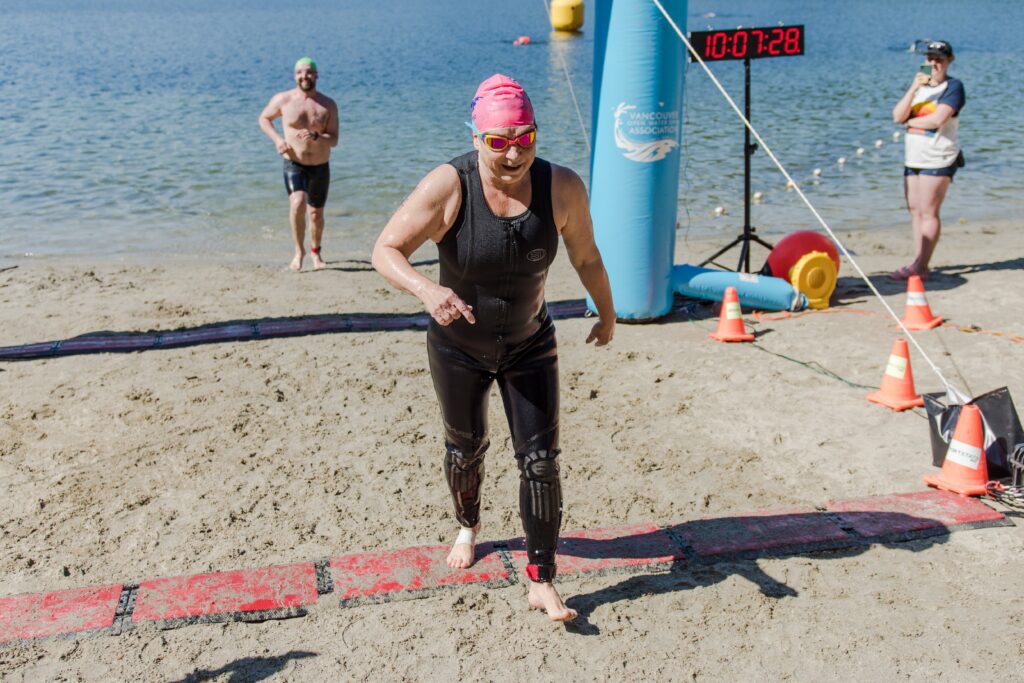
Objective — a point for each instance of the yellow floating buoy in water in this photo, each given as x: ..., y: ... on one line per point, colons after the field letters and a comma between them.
x: 566, y: 15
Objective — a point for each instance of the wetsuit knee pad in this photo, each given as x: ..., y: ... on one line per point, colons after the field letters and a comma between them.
x: 540, y: 505
x: 540, y: 465
x: 464, y: 472
x: 465, y: 454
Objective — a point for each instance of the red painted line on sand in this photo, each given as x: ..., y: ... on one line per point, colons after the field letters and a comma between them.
x: 911, y: 512
x: 244, y: 590
x: 385, y: 573
x: 49, y: 614
x: 414, y: 571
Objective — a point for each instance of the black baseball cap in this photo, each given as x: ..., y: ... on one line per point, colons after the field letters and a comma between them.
x: 939, y: 47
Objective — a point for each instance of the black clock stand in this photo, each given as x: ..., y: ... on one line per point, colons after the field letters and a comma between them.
x: 749, y: 232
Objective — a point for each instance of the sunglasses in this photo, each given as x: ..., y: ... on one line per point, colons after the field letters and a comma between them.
x: 500, y: 143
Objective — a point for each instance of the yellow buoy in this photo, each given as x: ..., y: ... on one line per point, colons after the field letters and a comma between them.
x: 566, y: 15
x: 815, y: 276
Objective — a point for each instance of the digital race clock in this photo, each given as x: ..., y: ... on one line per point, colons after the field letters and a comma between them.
x: 748, y: 43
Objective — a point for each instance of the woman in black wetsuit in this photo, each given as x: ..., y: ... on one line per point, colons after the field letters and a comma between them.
x: 496, y: 214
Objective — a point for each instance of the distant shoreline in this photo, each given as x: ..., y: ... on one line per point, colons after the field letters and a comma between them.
x: 731, y: 227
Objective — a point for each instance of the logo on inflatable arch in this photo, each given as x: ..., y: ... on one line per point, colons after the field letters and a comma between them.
x: 632, y: 126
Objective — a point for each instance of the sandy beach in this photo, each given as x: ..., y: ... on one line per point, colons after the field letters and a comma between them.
x: 123, y: 467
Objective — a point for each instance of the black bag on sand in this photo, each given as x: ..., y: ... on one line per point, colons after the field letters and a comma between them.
x: 1002, y: 428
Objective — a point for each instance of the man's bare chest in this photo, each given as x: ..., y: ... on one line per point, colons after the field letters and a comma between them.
x: 305, y: 114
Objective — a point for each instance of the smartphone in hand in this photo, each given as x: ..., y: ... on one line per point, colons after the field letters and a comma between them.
x: 926, y: 69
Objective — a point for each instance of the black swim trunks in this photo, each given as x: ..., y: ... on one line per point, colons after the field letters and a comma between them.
x: 313, y: 180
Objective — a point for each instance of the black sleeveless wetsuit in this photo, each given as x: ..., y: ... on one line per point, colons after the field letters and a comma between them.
x: 498, y: 266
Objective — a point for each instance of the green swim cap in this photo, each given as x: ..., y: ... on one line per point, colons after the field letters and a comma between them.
x: 306, y: 61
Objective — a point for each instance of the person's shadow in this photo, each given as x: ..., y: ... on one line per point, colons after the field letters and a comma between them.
x: 852, y: 290
x: 701, y: 553
x: 247, y: 669
x: 363, y: 265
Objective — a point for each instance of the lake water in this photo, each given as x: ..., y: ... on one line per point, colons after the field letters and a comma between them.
x: 129, y: 128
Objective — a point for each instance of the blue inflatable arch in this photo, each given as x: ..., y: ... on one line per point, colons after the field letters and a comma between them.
x: 636, y: 129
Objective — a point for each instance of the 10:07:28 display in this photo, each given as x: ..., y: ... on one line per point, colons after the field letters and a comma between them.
x: 749, y: 43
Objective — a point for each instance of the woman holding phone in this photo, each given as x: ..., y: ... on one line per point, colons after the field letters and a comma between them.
x: 930, y: 109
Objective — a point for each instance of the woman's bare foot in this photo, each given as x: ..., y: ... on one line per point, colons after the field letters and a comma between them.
x: 296, y: 263
x: 544, y: 596
x: 461, y: 556
x: 318, y: 263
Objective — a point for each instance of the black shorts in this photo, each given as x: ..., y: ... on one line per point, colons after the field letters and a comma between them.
x: 313, y: 180
x: 947, y: 172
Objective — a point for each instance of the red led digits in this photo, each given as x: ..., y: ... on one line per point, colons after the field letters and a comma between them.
x: 791, y: 45
x: 748, y: 43
x: 718, y: 41
x: 737, y: 51
x: 760, y: 39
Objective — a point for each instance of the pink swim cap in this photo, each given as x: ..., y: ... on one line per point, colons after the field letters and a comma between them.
x: 500, y: 102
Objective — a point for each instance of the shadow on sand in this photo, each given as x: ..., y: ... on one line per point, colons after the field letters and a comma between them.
x: 712, y: 550
x: 247, y: 669
x: 360, y: 265
x: 852, y: 290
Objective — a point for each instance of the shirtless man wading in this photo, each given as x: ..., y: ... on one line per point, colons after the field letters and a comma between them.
x: 310, y: 122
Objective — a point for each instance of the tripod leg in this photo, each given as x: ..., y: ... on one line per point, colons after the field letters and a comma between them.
x: 721, y: 251
x: 744, y: 262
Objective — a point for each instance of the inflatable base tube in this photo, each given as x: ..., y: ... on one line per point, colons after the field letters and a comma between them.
x: 760, y: 292
x: 233, y: 332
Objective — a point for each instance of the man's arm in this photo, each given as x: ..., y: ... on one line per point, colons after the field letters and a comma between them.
x: 329, y: 136
x: 267, y: 116
x: 572, y: 217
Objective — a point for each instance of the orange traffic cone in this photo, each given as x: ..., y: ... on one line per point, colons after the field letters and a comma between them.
x: 965, y: 470
x: 918, y: 315
x: 730, y: 322
x: 898, y: 381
